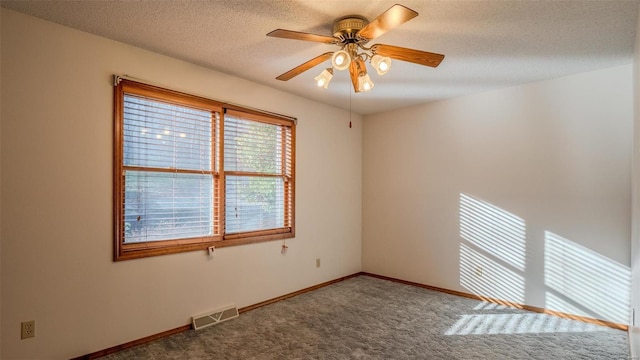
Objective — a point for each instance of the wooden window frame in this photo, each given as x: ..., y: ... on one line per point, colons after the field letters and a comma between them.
x: 124, y: 251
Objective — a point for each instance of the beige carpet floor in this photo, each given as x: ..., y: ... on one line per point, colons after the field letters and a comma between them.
x: 369, y: 318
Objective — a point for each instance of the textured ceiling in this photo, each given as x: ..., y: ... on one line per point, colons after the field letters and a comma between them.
x: 488, y: 44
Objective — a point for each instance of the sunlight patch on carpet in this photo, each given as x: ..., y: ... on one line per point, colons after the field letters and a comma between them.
x: 489, y: 324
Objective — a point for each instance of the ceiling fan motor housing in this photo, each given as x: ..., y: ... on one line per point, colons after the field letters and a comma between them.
x: 346, y: 28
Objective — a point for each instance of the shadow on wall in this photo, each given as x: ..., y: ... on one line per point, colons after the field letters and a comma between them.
x: 493, y: 261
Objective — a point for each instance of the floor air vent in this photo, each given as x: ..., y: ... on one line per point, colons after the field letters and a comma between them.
x: 214, y: 317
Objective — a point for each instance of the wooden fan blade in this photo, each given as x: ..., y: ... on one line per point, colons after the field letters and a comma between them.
x: 353, y: 72
x: 304, y: 67
x: 394, y: 16
x: 410, y: 55
x: 296, y: 35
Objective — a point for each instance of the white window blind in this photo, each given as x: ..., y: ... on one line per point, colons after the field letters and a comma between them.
x: 174, y: 191
x: 168, y: 169
x: 257, y: 161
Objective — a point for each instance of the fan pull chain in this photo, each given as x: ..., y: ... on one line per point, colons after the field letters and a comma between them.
x: 349, y: 106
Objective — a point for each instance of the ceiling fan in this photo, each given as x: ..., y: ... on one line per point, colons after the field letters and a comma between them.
x: 351, y: 33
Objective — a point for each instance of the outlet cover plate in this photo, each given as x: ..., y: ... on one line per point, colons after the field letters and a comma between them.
x: 28, y: 329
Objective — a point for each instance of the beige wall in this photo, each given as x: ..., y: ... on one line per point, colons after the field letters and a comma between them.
x: 542, y: 168
x: 521, y: 194
x: 56, y: 199
x: 634, y: 332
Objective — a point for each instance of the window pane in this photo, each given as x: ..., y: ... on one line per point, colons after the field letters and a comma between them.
x: 251, y: 146
x: 164, y: 206
x: 254, y: 203
x: 162, y: 135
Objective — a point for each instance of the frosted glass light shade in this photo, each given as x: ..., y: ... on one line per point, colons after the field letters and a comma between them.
x: 382, y: 64
x: 340, y: 60
x: 364, y: 83
x: 324, y: 78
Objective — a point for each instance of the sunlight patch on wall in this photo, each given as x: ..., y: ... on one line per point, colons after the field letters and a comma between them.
x: 496, y: 281
x: 489, y: 324
x: 493, y: 252
x: 583, y: 282
x: 493, y: 230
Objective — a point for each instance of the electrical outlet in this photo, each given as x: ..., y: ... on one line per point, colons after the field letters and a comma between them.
x: 28, y: 329
x: 318, y: 262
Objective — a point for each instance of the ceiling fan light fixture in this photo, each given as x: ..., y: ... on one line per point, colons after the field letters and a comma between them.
x: 324, y: 78
x: 340, y: 60
x: 382, y: 64
x: 350, y: 34
x: 364, y: 83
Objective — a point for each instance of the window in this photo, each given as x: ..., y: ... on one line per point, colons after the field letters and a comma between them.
x: 192, y: 172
